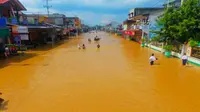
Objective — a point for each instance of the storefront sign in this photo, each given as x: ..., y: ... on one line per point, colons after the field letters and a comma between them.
x: 24, y: 37
x: 129, y: 33
x: 30, y: 20
x: 22, y: 29
x: 51, y: 20
x: 59, y: 21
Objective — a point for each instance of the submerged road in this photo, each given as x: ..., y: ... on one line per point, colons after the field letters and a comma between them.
x: 116, y: 78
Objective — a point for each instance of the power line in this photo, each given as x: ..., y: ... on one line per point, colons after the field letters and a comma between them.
x: 157, y: 3
x: 47, y: 6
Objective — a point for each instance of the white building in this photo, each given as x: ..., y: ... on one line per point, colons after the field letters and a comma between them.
x: 145, y: 19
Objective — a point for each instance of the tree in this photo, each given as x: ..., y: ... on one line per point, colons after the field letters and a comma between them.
x: 169, y: 22
x: 180, y: 24
x: 189, y: 23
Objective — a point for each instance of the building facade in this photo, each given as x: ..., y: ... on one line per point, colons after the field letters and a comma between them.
x: 173, y: 3
x: 140, y: 22
x: 57, y: 19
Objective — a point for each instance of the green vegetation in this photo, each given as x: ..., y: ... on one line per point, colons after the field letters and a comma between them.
x: 168, y: 48
x: 193, y: 43
x: 143, y: 40
x: 180, y: 25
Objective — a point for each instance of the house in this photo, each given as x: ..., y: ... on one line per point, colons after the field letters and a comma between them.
x: 10, y: 19
x: 11, y: 10
x: 70, y: 22
x: 57, y: 19
x: 73, y: 25
x: 73, y: 22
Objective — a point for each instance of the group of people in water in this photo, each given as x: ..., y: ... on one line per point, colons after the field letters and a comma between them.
x: 96, y: 39
x: 184, y: 59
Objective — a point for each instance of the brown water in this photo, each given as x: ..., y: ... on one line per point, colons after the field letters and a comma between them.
x: 116, y: 78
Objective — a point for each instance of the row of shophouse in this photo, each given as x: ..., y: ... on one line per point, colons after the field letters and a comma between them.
x: 141, y: 21
x: 17, y: 28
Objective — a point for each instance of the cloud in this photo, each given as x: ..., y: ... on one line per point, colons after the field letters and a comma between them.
x: 135, y: 1
x: 101, y: 3
x: 91, y: 11
x: 30, y: 2
x: 93, y: 18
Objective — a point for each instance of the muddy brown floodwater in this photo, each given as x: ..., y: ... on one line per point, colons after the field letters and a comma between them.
x: 115, y: 78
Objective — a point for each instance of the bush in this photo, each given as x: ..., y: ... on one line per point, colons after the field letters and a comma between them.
x: 168, y: 48
x: 193, y: 43
x: 143, y: 40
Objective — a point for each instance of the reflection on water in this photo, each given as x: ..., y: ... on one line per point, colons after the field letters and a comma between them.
x: 115, y: 78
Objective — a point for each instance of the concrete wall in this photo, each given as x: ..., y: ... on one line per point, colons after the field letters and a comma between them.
x: 153, y: 24
x: 153, y: 16
x: 192, y: 60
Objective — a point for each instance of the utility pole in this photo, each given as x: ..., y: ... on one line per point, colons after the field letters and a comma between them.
x: 47, y: 6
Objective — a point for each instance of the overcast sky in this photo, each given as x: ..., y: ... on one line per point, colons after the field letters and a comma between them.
x: 91, y: 11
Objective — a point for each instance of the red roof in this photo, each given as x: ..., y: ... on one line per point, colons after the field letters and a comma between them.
x: 3, y: 1
x: 15, y: 3
x: 18, y: 4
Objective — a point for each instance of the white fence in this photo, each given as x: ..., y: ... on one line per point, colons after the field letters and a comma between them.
x: 178, y: 55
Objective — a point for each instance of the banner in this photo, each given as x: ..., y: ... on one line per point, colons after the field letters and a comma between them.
x: 14, y: 29
x: 30, y: 20
x: 24, y: 37
x: 42, y: 19
x: 2, y: 22
x: 59, y: 21
x: 22, y: 29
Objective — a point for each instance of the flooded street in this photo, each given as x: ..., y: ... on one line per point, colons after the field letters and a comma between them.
x: 115, y: 78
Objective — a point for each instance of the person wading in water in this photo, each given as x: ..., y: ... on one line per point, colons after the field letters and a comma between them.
x: 184, y: 59
x: 98, y: 46
x: 79, y: 47
x: 152, y: 59
x: 89, y: 40
x: 84, y: 46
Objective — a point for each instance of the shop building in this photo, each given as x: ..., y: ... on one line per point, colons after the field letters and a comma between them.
x: 140, y: 22
x: 43, y: 29
x: 73, y: 25
x: 10, y: 19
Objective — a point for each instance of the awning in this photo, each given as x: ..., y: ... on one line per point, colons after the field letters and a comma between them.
x: 38, y: 27
x: 129, y: 32
x: 3, y: 1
